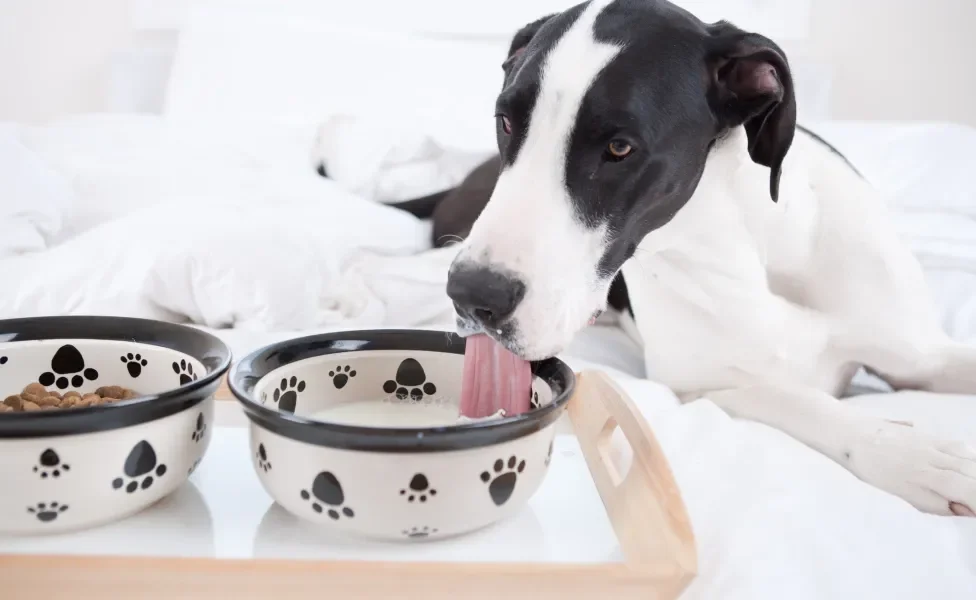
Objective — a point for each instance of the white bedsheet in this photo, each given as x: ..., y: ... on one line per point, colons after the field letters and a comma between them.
x: 227, y: 227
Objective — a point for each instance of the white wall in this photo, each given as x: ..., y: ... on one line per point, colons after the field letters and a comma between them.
x: 55, y: 55
x: 891, y: 59
x: 899, y: 59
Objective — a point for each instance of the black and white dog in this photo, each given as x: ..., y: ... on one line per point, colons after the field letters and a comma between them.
x: 761, y: 272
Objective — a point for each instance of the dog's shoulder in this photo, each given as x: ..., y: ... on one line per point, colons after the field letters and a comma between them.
x: 814, y: 172
x: 809, y: 134
x: 814, y: 155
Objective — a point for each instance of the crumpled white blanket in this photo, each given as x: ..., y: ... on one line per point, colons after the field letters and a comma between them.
x: 773, y: 519
x: 143, y: 217
x: 387, y: 161
x: 33, y: 197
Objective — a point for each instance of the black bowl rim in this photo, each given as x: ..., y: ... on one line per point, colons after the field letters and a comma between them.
x: 203, y: 346
x: 249, y: 370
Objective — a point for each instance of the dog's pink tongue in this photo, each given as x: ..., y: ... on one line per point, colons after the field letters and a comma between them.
x: 493, y: 379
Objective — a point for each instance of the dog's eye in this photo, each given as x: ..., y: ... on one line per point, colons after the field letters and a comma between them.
x: 506, y: 124
x: 618, y: 149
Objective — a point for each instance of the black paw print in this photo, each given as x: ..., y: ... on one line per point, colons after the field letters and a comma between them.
x: 263, y: 463
x: 549, y: 453
x: 185, y: 371
x: 502, y: 481
x: 201, y: 429
x: 327, y: 490
x: 134, y: 364
x: 419, y: 532
x: 47, y: 512
x: 410, y: 375
x: 51, y: 465
x: 141, y: 462
x: 419, y: 489
x: 534, y: 399
x: 67, y: 368
x: 3, y: 360
x: 341, y: 376
x: 286, y: 394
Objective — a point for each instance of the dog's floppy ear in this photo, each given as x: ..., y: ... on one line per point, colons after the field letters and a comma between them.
x: 751, y: 85
x: 521, y: 40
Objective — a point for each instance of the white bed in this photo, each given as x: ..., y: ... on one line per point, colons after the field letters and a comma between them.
x: 211, y: 213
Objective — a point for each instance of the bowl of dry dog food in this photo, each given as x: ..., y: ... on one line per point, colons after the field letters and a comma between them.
x: 392, y: 434
x: 100, y: 417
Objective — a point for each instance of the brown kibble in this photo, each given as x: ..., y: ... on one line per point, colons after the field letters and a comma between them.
x: 36, y: 389
x: 111, y: 391
x: 47, y: 401
x: 36, y: 397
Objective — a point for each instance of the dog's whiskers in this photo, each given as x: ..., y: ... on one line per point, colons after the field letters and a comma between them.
x: 451, y: 238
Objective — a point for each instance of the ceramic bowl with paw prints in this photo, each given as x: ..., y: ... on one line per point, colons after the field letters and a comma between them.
x: 359, y: 431
x: 70, y: 468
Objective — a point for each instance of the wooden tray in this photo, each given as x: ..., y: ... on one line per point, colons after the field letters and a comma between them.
x: 643, y: 505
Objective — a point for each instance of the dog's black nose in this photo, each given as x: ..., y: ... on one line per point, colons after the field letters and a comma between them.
x: 485, y: 295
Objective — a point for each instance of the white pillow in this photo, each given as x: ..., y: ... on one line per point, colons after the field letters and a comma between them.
x: 435, y: 64
x: 262, y: 67
x: 120, y: 164
x: 919, y: 166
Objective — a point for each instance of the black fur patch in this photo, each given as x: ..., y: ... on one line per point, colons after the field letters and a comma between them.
x: 827, y: 145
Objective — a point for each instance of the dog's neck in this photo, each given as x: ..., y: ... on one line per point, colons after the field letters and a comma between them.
x: 730, y: 208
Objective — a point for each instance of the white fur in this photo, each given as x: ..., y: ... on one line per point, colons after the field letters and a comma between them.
x: 549, y: 248
x: 765, y: 308
x: 768, y: 308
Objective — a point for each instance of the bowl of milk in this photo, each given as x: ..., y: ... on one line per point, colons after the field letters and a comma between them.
x: 360, y: 431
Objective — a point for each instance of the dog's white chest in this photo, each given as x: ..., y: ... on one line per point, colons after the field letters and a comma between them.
x: 701, y: 332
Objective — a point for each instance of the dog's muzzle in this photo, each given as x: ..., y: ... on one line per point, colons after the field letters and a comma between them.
x: 485, y: 298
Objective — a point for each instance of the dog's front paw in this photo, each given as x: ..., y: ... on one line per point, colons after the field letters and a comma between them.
x: 934, y: 475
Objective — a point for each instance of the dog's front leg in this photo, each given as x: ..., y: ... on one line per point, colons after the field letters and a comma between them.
x: 934, y: 475
x: 907, y: 360
x: 947, y: 368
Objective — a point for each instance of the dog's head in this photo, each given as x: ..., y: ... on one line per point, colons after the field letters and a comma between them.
x: 605, y: 120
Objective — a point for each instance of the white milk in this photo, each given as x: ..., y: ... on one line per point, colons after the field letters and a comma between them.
x: 383, y: 413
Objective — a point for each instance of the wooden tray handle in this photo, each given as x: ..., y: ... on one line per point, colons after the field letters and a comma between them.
x: 644, y: 504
